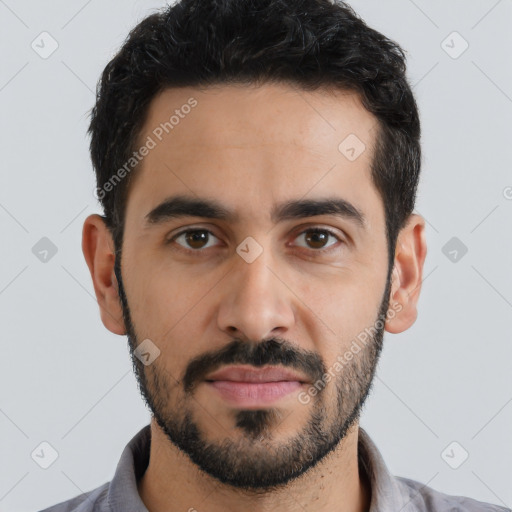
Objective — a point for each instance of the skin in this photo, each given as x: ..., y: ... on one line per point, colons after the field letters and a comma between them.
x: 249, y: 148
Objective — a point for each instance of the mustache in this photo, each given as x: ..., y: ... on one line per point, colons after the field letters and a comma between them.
x: 273, y: 351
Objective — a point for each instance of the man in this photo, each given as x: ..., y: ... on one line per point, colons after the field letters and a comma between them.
x: 257, y: 162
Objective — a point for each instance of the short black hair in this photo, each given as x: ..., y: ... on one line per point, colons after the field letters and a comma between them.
x: 309, y: 44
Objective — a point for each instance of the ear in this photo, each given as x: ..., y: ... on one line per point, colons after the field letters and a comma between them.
x: 99, y: 253
x: 407, y: 275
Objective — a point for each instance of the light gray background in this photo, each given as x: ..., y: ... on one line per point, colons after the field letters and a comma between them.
x: 66, y: 380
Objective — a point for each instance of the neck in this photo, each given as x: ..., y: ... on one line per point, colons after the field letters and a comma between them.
x: 172, y: 482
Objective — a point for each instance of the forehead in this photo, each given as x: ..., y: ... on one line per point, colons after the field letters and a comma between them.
x: 276, y: 113
x: 251, y: 145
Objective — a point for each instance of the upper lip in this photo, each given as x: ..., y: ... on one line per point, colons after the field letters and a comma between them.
x: 252, y: 374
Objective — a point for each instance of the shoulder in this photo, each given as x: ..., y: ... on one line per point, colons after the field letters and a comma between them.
x: 92, y: 501
x: 426, y: 499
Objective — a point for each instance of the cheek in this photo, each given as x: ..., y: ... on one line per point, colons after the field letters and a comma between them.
x: 172, y: 308
x: 349, y: 298
x: 162, y: 300
x: 159, y: 290
x: 342, y: 308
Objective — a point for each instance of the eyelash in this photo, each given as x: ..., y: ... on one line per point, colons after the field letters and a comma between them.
x: 200, y: 252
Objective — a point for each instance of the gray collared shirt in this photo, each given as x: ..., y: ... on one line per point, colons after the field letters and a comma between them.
x: 389, y: 493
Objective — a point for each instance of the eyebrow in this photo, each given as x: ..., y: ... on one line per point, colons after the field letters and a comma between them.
x: 187, y: 206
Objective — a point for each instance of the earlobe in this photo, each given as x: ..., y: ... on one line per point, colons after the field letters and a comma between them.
x: 411, y: 250
x: 98, y: 250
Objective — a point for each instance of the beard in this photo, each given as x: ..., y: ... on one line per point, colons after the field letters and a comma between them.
x: 254, y: 461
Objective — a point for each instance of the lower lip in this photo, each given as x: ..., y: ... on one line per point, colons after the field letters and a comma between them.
x: 254, y: 393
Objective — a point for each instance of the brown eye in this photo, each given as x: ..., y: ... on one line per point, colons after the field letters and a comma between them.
x: 317, y: 238
x: 194, y: 238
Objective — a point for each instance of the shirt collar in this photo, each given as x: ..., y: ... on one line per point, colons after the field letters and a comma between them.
x: 123, y: 494
x: 387, y: 495
x: 387, y: 492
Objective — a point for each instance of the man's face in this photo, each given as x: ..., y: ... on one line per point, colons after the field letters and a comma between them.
x: 256, y: 289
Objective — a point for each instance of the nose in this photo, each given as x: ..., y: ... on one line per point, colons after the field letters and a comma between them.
x: 256, y: 302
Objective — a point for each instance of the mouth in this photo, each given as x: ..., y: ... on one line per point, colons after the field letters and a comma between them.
x: 250, y: 374
x: 246, y: 386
